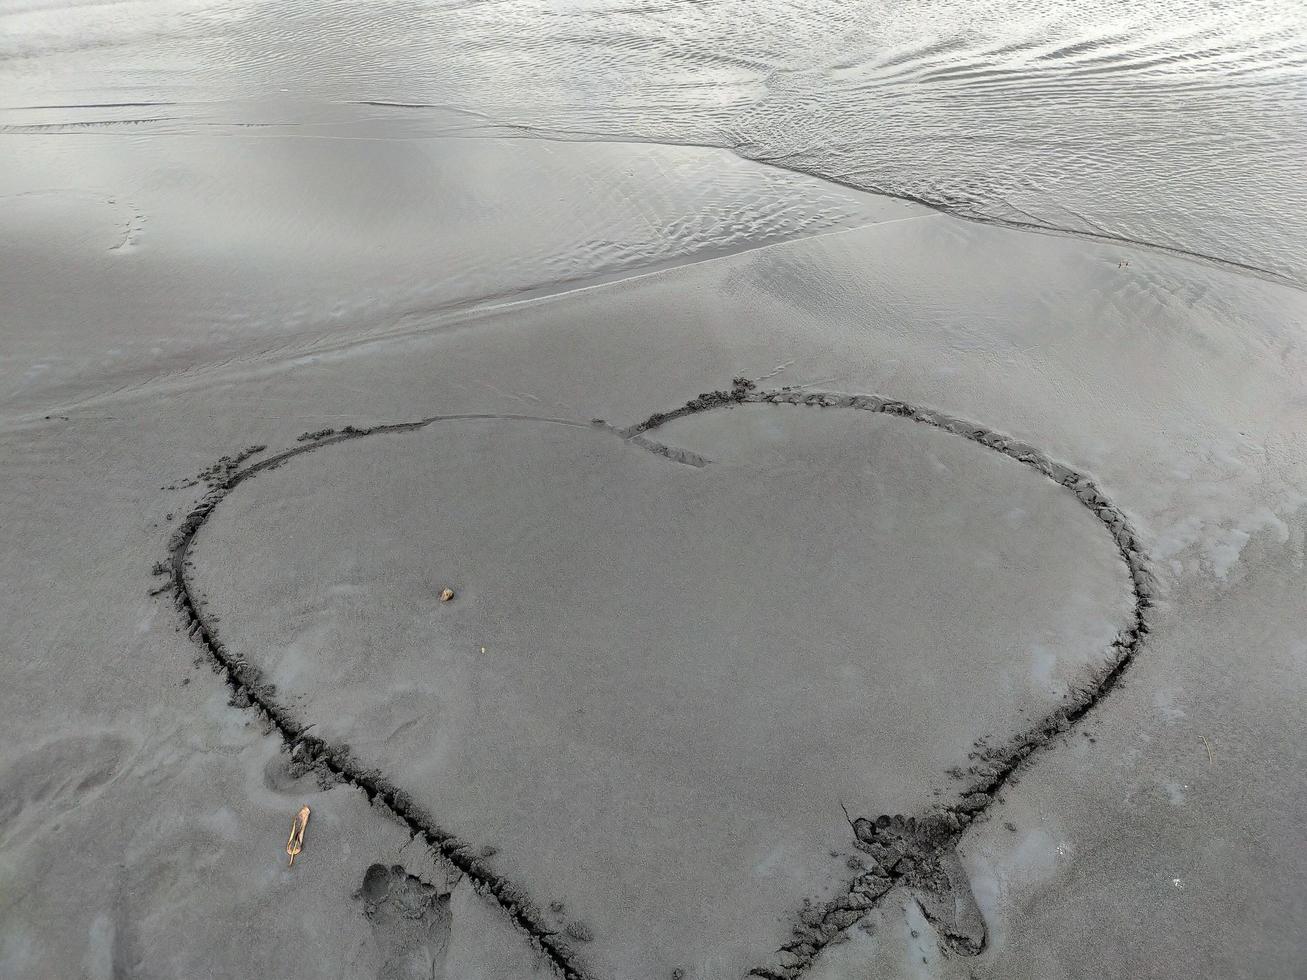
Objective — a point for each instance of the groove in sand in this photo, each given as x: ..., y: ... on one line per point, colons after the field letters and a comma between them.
x: 917, y: 851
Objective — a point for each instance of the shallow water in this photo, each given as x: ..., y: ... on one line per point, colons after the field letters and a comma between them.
x: 1179, y: 124
x: 128, y: 258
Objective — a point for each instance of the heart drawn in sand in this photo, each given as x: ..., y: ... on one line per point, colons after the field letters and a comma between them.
x: 673, y: 673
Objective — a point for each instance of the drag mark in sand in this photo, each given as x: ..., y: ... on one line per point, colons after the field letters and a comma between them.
x: 250, y: 690
x: 918, y: 852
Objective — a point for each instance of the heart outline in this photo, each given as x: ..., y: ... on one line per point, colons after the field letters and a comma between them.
x: 921, y: 847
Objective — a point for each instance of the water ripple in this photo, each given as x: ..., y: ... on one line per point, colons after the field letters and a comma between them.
x: 1179, y: 124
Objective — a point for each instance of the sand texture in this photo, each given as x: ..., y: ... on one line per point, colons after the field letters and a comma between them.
x: 840, y: 588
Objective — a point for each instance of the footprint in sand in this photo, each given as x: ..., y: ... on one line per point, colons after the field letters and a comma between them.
x: 410, y: 921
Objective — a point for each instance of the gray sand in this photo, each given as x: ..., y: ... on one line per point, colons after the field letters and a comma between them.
x: 926, y: 591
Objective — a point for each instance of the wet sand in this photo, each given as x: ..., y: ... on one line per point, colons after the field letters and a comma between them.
x: 690, y: 670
